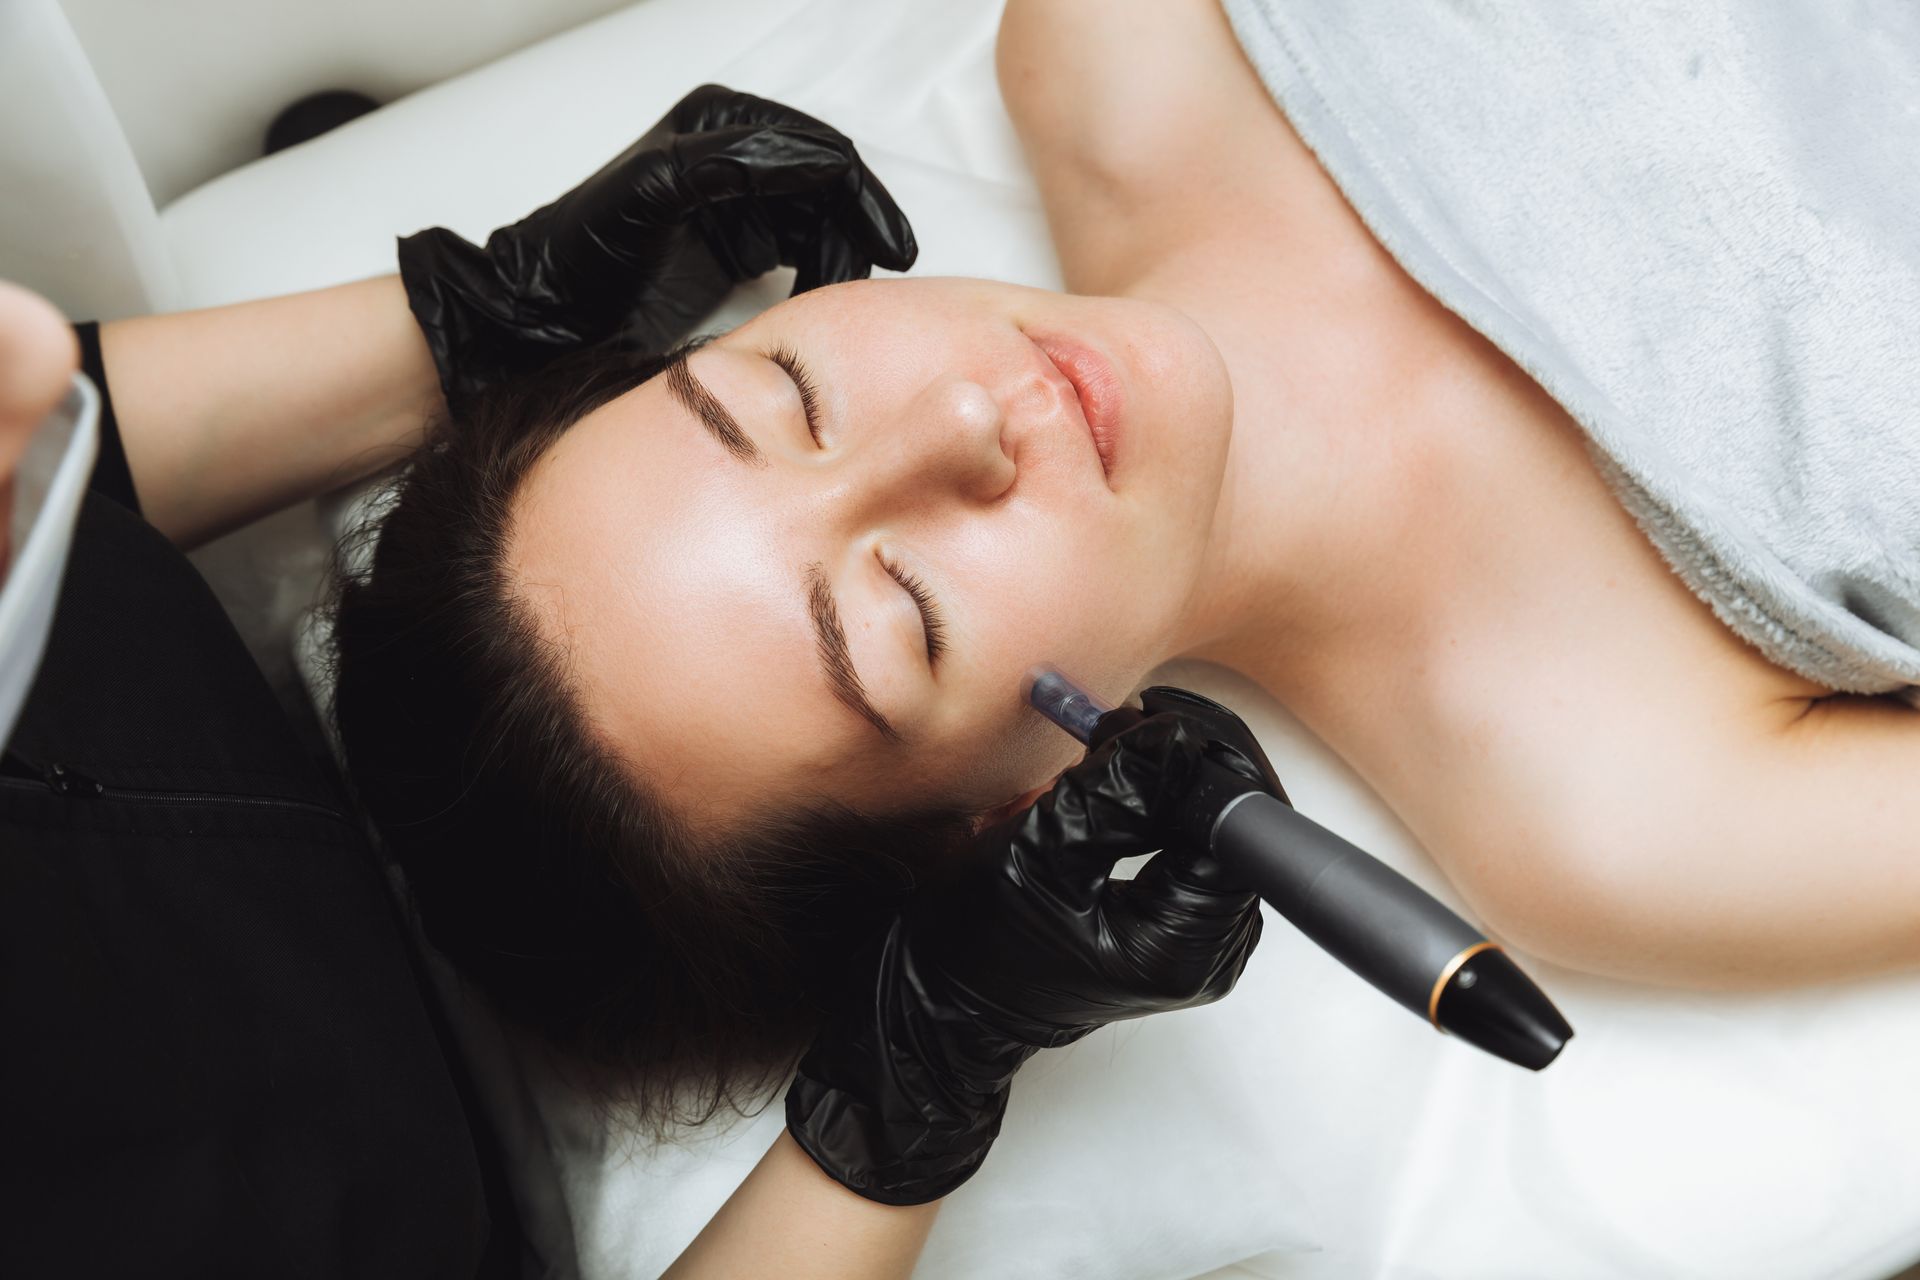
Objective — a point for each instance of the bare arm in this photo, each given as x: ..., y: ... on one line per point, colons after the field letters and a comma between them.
x: 1797, y: 859
x: 234, y: 412
x: 1146, y: 129
x: 1637, y: 827
x: 1091, y: 89
x: 790, y: 1219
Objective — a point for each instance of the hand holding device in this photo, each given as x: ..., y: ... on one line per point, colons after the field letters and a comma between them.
x: 1365, y: 914
x: 903, y: 1091
x: 724, y: 188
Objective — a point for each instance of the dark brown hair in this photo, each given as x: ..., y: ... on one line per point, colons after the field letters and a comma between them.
x: 677, y: 973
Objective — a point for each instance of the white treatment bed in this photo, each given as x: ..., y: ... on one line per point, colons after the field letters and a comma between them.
x: 1306, y: 1128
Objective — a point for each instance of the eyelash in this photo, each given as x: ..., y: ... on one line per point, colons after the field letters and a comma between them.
x: 936, y: 628
x: 929, y: 611
x: 787, y: 358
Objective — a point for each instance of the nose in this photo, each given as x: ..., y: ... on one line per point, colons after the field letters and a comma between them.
x: 948, y: 443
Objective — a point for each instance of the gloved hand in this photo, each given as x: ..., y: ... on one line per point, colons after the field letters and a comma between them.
x: 724, y: 188
x: 902, y: 1092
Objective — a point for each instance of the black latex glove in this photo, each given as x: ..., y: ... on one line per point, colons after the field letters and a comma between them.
x: 903, y: 1090
x: 1232, y: 743
x: 725, y: 187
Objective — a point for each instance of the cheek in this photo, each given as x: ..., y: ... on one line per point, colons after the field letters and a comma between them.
x: 1011, y: 753
x: 1038, y: 591
x: 1059, y: 584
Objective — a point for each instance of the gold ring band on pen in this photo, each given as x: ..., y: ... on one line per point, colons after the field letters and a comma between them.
x: 1446, y: 975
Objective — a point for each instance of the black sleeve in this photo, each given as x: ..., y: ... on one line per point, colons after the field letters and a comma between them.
x: 217, y: 1057
x: 111, y: 478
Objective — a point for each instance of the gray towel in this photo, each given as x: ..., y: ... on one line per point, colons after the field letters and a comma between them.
x: 1696, y: 223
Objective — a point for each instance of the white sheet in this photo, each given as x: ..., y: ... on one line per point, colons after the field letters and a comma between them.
x: 1678, y: 1135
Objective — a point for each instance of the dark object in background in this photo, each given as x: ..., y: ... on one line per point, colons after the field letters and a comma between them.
x: 313, y: 115
x: 217, y: 1055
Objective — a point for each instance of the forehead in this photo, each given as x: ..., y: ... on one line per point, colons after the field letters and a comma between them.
x: 678, y: 600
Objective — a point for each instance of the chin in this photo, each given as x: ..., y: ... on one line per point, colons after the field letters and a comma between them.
x: 1184, y: 426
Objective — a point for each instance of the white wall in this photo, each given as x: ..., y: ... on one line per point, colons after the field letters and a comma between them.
x: 196, y: 82
x: 76, y: 223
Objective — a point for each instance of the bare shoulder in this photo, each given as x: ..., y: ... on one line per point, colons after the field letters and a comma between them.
x: 1611, y: 777
x: 1563, y: 699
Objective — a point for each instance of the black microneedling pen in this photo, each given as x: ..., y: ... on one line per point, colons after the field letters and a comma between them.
x: 1365, y: 914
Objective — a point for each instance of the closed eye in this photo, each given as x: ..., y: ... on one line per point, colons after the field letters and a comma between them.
x: 930, y: 619
x: 789, y: 359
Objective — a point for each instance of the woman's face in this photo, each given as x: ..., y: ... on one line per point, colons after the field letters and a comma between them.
x: 727, y: 608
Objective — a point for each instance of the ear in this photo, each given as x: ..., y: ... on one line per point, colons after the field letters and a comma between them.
x: 1019, y: 804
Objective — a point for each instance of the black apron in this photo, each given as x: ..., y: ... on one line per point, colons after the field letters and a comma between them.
x: 216, y: 1057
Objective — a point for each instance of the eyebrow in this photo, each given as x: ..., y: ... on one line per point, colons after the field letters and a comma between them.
x: 694, y: 396
x: 835, y: 657
x: 829, y: 635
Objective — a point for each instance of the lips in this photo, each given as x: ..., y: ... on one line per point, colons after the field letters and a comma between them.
x: 1102, y: 398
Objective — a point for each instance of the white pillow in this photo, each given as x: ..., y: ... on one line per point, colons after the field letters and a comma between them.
x: 1126, y: 1156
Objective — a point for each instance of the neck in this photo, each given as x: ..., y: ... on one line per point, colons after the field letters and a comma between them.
x: 1308, y: 572
x: 1266, y: 598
